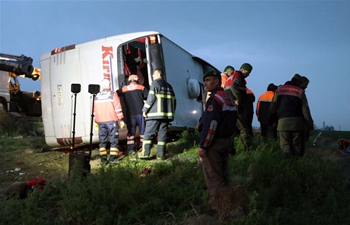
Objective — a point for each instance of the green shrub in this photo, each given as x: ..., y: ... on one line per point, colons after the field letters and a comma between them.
x: 280, y: 191
x: 11, y: 125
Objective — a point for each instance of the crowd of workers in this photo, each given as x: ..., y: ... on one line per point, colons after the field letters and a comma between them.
x: 228, y: 114
x: 150, y: 111
x: 282, y: 108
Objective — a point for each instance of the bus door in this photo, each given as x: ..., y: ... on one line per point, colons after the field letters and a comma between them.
x: 154, y: 52
x: 133, y: 60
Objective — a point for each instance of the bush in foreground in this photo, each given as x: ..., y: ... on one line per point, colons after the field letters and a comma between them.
x: 296, y: 191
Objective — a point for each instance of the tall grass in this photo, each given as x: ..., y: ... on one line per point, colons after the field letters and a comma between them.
x: 13, y: 125
x: 280, y: 191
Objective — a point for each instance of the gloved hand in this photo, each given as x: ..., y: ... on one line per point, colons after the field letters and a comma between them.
x: 121, y: 124
x: 137, y: 59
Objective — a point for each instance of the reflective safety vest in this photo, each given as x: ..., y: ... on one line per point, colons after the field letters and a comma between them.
x: 263, y: 106
x: 133, y: 96
x: 107, y: 107
x: 161, y: 101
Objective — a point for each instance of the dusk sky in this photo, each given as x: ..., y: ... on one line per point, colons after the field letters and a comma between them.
x: 279, y: 38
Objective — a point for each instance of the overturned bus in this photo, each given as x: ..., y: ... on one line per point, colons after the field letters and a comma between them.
x: 115, y: 58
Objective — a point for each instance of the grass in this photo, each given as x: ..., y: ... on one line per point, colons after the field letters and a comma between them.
x: 268, y: 188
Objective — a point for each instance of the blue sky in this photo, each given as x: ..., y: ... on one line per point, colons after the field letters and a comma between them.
x: 279, y: 38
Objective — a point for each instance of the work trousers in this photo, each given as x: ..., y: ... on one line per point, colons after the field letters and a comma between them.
x: 215, y: 169
x: 292, y: 143
x: 243, y: 127
x: 135, y: 121
x: 152, y: 127
x: 268, y: 131
x: 250, y: 123
x: 110, y: 130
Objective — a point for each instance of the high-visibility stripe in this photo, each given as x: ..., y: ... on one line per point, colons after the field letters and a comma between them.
x: 160, y: 114
x: 147, y: 141
x: 130, y: 140
x: 103, y: 151
x: 114, y: 151
x: 290, y: 90
x: 165, y: 96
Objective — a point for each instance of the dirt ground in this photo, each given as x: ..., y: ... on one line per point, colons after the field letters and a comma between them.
x: 31, y: 163
x: 52, y: 165
x: 25, y: 164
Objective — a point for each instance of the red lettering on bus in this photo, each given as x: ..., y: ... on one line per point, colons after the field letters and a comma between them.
x: 107, y: 53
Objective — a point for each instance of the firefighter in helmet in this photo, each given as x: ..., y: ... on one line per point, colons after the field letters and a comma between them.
x: 158, y: 110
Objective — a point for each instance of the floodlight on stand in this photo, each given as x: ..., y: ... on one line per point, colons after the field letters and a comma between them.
x: 75, y: 89
x: 93, y: 89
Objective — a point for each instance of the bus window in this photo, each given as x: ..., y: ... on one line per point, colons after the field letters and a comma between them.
x: 201, y: 97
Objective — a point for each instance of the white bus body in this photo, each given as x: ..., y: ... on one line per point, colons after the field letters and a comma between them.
x: 114, y: 58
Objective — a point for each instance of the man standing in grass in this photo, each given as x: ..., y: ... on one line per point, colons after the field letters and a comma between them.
x: 293, y: 111
x: 237, y: 89
x: 159, y: 111
x: 108, y: 111
x: 262, y: 112
x: 216, y: 128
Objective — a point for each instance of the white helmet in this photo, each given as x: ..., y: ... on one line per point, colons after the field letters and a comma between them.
x: 133, y: 77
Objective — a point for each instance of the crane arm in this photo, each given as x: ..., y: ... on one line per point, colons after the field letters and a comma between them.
x: 20, y: 65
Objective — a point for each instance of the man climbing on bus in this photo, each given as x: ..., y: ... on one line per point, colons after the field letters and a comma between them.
x: 133, y: 96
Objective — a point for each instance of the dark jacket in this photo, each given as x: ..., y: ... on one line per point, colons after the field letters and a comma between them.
x: 292, y: 108
x: 161, y: 101
x: 132, y: 98
x: 250, y: 102
x: 217, y: 118
x: 236, y: 88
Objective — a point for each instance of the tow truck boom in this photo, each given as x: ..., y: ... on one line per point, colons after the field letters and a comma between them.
x: 20, y: 65
x: 12, y: 98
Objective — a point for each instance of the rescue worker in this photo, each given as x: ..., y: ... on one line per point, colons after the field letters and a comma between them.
x: 133, y: 96
x: 291, y: 104
x: 107, y: 111
x: 236, y: 88
x: 21, y: 190
x: 226, y: 74
x: 250, y: 109
x: 228, y: 71
x: 158, y: 110
x: 216, y: 128
x: 262, y: 112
